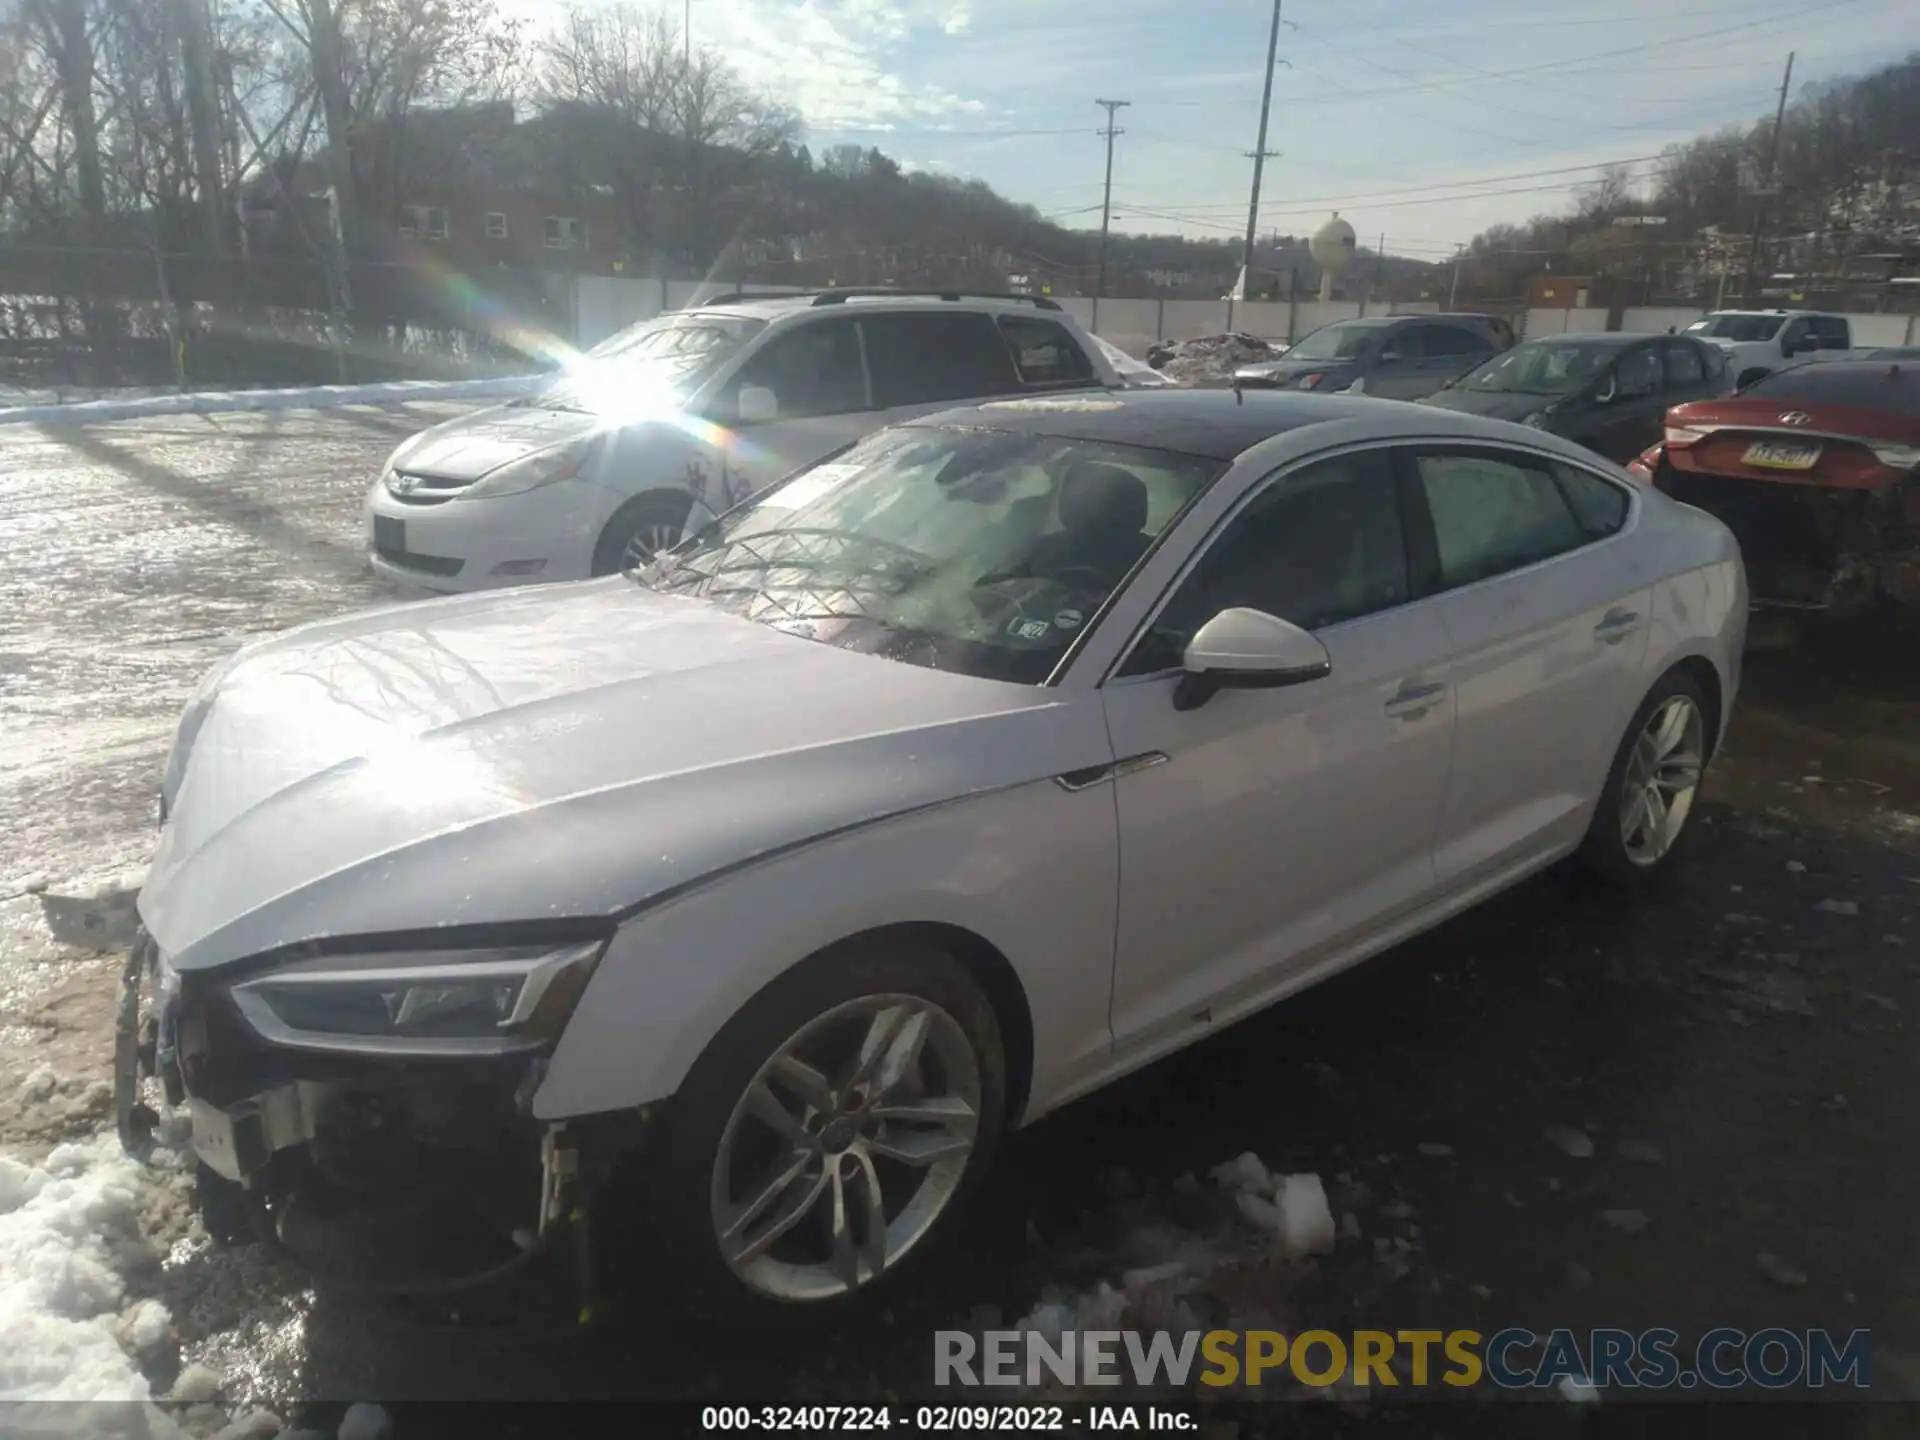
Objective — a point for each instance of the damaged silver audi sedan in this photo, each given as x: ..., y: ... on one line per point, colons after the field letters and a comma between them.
x: 752, y: 896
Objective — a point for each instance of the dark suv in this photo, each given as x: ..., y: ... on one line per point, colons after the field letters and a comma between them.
x: 1397, y: 357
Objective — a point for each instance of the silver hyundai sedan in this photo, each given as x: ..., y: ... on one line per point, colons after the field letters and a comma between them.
x: 760, y: 891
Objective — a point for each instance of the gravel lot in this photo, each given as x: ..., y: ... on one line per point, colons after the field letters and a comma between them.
x: 1738, y: 1048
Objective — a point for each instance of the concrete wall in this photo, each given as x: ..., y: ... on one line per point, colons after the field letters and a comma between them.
x: 607, y: 304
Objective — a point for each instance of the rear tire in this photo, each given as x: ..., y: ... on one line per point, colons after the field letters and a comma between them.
x: 640, y: 529
x: 725, y: 1145
x: 1646, y: 806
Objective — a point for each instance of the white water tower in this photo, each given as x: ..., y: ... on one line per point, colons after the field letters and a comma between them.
x: 1332, y: 248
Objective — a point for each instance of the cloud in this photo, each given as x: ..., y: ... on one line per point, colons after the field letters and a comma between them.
x: 841, y: 63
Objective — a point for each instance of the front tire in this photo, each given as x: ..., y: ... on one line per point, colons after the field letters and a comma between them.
x: 830, y: 1136
x: 641, y: 529
x: 1651, y: 788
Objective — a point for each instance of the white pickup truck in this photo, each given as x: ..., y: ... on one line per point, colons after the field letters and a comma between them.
x: 1758, y: 342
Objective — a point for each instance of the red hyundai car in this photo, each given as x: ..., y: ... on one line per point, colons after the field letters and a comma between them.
x: 1816, y: 470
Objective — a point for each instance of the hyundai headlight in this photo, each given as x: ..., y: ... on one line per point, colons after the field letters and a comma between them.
x: 543, y: 467
x: 422, y: 1002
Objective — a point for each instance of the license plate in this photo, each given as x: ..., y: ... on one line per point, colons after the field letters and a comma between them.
x: 389, y: 533
x: 213, y: 1140
x: 1782, y: 454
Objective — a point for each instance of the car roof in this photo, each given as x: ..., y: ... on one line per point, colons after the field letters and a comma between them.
x: 1209, y: 424
x: 1607, y: 339
x: 775, y: 307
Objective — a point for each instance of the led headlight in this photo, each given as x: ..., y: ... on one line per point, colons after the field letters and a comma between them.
x: 422, y: 1002
x: 530, y: 472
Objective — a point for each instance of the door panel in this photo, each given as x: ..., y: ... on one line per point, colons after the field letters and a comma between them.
x: 1279, y: 820
x: 1547, y: 634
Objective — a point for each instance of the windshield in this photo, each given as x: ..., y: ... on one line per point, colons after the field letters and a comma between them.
x: 670, y: 356
x: 978, y: 551
x: 1742, y: 328
x: 1344, y: 341
x: 1542, y: 367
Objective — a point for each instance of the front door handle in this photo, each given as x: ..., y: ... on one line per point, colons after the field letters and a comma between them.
x: 1616, y: 625
x: 1412, y: 701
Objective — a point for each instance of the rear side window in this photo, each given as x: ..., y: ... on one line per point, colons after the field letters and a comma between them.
x: 1493, y: 513
x: 923, y: 359
x: 1045, y: 353
x: 1892, y: 387
x: 1599, y: 507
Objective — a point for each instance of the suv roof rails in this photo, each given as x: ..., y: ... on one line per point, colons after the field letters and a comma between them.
x: 848, y: 292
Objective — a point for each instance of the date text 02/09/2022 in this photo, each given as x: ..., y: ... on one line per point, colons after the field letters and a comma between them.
x: 947, y: 1419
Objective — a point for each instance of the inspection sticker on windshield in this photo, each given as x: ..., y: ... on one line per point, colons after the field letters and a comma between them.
x: 811, y: 486
x: 1029, y: 629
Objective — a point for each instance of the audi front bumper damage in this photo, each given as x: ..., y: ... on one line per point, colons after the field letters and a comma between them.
x: 371, y: 1116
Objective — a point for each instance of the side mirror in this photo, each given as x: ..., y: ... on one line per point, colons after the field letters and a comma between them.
x: 757, y: 405
x: 1246, y: 649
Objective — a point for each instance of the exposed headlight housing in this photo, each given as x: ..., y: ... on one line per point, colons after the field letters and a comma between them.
x: 422, y: 1002
x: 543, y: 467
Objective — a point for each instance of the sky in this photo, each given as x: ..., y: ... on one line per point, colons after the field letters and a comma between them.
x: 1424, y: 123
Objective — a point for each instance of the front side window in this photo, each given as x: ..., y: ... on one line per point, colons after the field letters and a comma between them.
x: 1448, y: 341
x: 1553, y: 366
x: 1832, y: 332
x: 813, y: 369
x: 1684, y: 367
x: 979, y: 551
x: 1345, y: 340
x: 1638, y: 373
x: 922, y: 359
x: 1493, y: 512
x: 1045, y: 352
x: 1319, y: 546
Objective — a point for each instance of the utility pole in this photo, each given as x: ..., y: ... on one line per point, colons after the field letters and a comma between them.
x: 1453, y: 290
x: 1260, y: 152
x: 1763, y: 201
x: 686, y: 34
x: 1106, y: 206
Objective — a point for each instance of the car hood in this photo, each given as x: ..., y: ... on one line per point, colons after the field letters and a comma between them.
x: 473, y: 446
x: 1495, y: 404
x: 557, y: 752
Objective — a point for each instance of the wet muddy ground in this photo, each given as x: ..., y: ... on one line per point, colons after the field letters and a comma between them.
x: 1737, y: 1046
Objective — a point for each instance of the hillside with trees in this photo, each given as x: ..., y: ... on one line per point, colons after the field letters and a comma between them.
x: 1839, y: 213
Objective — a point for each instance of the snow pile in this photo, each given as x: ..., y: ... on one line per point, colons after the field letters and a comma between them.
x: 1215, y: 358
x: 1292, y: 1208
x: 312, y: 397
x: 68, y: 1229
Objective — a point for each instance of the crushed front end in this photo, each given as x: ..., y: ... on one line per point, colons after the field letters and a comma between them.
x: 369, y: 1114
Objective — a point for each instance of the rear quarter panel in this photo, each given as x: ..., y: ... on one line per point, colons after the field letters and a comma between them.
x: 1691, y: 563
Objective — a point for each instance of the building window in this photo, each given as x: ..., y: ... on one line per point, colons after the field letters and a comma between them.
x: 564, y: 232
x: 496, y: 225
x: 429, y: 221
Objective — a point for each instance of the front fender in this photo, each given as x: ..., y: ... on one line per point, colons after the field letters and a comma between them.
x: 1033, y: 870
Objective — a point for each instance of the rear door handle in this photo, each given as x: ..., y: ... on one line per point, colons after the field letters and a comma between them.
x: 1616, y: 625
x: 1412, y: 701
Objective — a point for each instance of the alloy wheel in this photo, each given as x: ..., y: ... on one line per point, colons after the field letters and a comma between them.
x: 1661, y: 780
x: 846, y: 1148
x: 648, y: 541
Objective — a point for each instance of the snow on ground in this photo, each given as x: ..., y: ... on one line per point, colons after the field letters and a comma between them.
x: 1215, y: 358
x: 73, y: 407
x: 71, y: 1242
